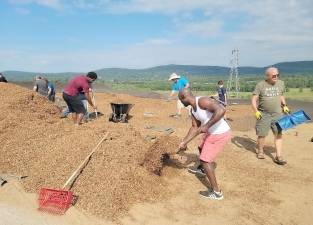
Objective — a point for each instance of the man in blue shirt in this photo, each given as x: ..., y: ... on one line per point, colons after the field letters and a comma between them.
x: 51, y: 92
x: 179, y: 83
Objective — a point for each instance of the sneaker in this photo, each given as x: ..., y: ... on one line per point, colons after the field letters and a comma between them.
x: 214, y: 195
x: 198, y: 171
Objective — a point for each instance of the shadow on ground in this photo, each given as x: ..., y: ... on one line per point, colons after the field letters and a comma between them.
x: 250, y: 144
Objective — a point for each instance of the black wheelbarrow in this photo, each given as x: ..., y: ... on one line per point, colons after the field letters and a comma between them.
x: 120, y: 112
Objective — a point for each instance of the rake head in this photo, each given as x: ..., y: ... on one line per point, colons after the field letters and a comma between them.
x: 54, y: 201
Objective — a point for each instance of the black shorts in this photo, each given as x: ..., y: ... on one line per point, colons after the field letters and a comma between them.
x: 74, y: 103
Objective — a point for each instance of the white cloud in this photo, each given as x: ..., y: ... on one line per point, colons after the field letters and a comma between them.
x: 271, y: 31
x: 209, y: 28
x: 152, y: 52
x: 56, y: 4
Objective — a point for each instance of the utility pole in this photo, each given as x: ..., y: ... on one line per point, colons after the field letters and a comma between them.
x: 233, y: 86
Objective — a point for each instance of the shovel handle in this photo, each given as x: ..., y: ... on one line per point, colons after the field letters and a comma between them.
x: 223, y: 103
x: 94, y: 102
x: 75, y: 174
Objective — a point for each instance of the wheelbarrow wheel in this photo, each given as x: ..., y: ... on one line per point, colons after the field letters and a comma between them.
x: 124, y: 118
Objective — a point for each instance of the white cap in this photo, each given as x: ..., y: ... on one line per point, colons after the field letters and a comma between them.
x: 174, y: 76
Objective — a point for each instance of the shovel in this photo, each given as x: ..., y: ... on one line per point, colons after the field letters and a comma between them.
x: 94, y: 102
x: 58, y: 201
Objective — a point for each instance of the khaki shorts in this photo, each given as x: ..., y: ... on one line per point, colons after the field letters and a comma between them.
x: 266, y: 123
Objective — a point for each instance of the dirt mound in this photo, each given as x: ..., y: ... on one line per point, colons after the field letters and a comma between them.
x: 37, y: 144
x: 25, y: 101
x: 159, y: 153
x: 20, y: 106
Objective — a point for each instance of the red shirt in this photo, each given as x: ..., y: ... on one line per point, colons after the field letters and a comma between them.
x: 77, y: 84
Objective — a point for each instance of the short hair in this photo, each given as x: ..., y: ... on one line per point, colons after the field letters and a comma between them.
x: 92, y: 75
x: 269, y: 69
x: 220, y: 82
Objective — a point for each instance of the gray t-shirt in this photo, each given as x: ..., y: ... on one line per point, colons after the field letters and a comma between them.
x: 269, y: 96
x: 42, y: 87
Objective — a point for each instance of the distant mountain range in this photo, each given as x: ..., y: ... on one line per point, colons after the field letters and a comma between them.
x: 162, y: 72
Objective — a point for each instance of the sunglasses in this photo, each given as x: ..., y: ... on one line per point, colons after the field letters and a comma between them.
x: 275, y: 75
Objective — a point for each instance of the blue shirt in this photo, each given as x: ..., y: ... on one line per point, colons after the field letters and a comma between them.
x: 180, y: 84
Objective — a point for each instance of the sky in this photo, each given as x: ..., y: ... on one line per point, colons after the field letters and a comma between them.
x: 82, y: 35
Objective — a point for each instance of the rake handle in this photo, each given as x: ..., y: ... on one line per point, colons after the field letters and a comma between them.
x: 75, y: 174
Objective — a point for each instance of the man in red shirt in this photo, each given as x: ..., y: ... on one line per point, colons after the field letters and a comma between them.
x: 71, y: 92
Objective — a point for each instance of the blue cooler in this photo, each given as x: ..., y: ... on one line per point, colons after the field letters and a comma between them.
x: 292, y: 120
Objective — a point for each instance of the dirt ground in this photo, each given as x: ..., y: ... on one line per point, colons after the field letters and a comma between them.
x: 115, y: 187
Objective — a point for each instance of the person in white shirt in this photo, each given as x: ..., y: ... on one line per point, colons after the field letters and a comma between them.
x: 207, y: 119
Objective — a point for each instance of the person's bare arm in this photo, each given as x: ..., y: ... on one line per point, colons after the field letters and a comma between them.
x: 49, y: 91
x: 192, y: 133
x: 254, y: 102
x: 283, y: 100
x: 213, y: 107
x: 172, y: 94
x: 88, y: 97
x: 196, y: 129
x: 195, y: 124
x: 35, y: 88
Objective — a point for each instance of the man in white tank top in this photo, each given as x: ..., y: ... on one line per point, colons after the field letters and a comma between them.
x: 207, y: 119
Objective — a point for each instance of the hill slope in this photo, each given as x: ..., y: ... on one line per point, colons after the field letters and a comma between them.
x: 162, y: 72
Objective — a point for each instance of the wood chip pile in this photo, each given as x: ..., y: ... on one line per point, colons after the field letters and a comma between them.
x: 36, y: 143
x: 159, y: 154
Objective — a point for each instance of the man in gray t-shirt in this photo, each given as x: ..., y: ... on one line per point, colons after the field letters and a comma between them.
x: 41, y: 86
x: 268, y: 104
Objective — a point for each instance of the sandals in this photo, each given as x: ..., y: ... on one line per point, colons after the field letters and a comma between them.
x: 280, y: 161
x: 260, y: 155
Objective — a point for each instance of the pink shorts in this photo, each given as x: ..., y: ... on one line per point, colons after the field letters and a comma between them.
x: 212, y: 145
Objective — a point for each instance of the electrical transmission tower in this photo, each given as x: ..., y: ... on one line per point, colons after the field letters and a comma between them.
x: 233, y: 86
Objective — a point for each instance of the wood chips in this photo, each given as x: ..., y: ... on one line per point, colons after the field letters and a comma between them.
x: 36, y: 143
x: 159, y: 153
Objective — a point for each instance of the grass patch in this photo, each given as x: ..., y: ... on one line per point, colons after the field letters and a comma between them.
x: 203, y: 88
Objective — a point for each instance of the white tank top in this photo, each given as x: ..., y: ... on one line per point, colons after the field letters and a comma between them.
x: 204, y: 116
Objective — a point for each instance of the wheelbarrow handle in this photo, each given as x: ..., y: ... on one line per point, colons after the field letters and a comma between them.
x: 75, y: 174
